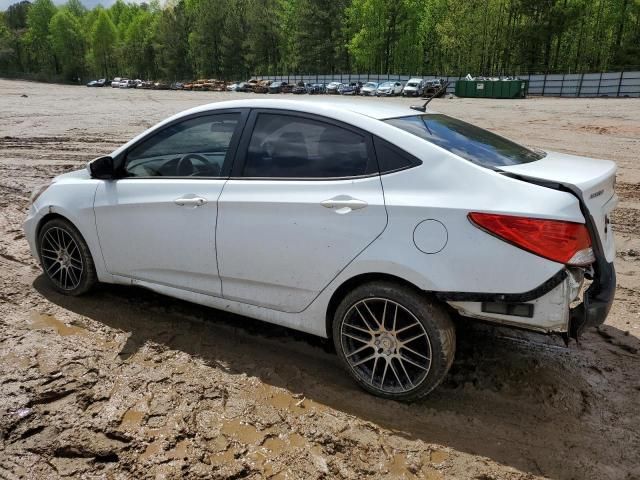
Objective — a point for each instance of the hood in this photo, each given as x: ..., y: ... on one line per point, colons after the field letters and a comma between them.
x: 76, y: 174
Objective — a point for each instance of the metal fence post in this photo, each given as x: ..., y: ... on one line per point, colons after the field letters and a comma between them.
x: 580, y: 85
x: 562, y: 84
x: 620, y: 82
x: 599, y: 83
x: 544, y: 85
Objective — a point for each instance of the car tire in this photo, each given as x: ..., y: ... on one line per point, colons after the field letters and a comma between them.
x: 394, y: 340
x: 65, y: 258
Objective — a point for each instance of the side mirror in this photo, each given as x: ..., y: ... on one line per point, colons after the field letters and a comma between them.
x: 102, y: 168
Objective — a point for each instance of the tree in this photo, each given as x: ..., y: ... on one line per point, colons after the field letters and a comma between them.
x: 37, y: 38
x: 68, y: 43
x: 172, y: 43
x: 103, y: 39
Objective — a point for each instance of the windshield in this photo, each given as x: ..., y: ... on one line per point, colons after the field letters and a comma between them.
x: 412, y: 84
x: 385, y: 85
x: 467, y: 141
x: 371, y: 85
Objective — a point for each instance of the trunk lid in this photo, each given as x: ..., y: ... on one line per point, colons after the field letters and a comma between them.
x: 593, y: 181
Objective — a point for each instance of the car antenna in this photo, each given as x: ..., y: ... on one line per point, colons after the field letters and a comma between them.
x: 423, y: 107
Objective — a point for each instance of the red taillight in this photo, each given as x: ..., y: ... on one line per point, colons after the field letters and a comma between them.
x: 562, y: 242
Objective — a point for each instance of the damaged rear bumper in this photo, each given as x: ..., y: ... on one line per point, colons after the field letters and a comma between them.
x: 596, y: 302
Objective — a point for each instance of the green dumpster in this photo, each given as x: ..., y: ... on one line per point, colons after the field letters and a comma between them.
x: 492, y: 88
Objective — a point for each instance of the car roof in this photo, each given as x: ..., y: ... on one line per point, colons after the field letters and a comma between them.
x: 373, y: 109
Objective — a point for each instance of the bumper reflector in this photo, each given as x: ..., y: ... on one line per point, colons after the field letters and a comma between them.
x: 515, y: 309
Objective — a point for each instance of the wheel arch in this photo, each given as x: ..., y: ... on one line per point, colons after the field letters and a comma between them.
x: 354, y: 282
x: 46, y: 218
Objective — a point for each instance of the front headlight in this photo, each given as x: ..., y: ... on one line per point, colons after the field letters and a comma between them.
x: 39, y: 191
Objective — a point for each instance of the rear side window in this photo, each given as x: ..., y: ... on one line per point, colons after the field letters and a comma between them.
x: 391, y: 158
x: 467, y: 141
x: 287, y: 146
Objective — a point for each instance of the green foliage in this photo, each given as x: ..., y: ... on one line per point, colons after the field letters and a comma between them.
x: 103, y: 41
x: 37, y: 36
x: 232, y: 39
x: 68, y: 43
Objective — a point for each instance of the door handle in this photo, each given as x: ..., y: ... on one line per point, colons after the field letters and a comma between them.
x: 190, y: 201
x: 343, y: 204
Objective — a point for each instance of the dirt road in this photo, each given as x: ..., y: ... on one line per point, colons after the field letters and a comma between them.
x: 123, y: 383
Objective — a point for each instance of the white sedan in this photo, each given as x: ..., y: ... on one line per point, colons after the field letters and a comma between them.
x: 389, y: 89
x: 369, y: 224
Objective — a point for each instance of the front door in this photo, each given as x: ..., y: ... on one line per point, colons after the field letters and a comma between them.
x: 304, y: 200
x: 157, y: 223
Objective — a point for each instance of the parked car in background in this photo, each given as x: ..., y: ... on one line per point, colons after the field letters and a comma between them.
x: 299, y: 89
x: 348, y: 234
x: 389, y: 89
x: 433, y: 87
x: 276, y: 87
x: 316, y: 88
x: 262, y: 86
x: 348, y: 89
x: 115, y: 83
x: 176, y: 86
x: 413, y: 87
x: 126, y: 83
x: 97, y: 83
x: 161, y: 86
x: 369, y: 88
x: 138, y: 83
x: 333, y: 87
x: 242, y: 87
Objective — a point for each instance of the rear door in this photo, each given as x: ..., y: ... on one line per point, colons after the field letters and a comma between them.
x: 305, y: 198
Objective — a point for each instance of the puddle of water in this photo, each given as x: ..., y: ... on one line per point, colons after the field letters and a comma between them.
x: 223, y: 458
x: 132, y: 418
x: 284, y: 400
x: 219, y: 444
x: 439, y: 456
x: 16, y: 360
x: 243, y: 432
x: 180, y: 450
x: 43, y: 320
x: 152, y: 449
x: 398, y: 467
x: 282, y: 443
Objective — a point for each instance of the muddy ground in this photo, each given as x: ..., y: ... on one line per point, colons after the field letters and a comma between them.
x: 123, y: 383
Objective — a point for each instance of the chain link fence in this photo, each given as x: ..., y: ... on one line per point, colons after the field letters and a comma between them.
x: 610, y: 84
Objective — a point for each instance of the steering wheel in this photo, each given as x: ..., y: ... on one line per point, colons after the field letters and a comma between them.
x: 184, y: 168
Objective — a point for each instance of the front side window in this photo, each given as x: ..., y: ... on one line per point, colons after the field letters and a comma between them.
x: 196, y: 147
x: 467, y: 141
x: 287, y: 146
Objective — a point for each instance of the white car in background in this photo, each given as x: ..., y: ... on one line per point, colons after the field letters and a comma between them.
x: 413, y: 87
x: 369, y: 224
x: 389, y: 89
x: 115, y: 83
x: 126, y: 83
x: 369, y: 89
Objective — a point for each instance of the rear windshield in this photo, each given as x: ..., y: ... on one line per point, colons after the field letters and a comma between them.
x: 467, y: 141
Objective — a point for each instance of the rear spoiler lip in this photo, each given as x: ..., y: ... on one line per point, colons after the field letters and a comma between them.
x: 606, y: 169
